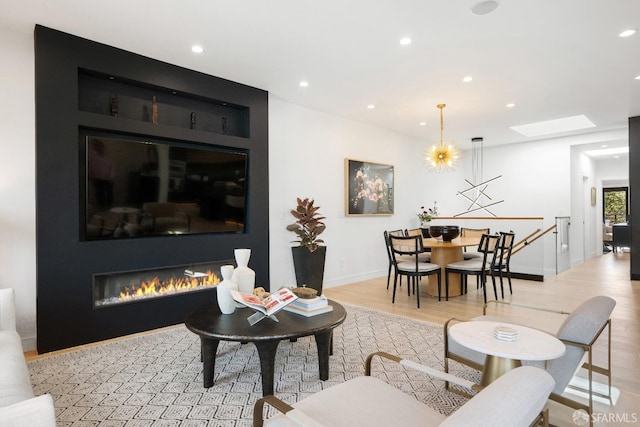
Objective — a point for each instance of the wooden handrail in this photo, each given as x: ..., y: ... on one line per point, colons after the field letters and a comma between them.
x: 528, y: 242
x: 526, y: 238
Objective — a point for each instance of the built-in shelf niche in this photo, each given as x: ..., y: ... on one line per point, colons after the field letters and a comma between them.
x: 122, y: 98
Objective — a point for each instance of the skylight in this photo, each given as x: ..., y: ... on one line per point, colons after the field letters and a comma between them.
x: 549, y: 127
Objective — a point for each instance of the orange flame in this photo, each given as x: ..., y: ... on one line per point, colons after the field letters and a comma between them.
x: 155, y: 287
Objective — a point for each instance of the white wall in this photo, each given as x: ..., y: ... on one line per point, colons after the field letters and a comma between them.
x: 17, y: 178
x: 307, y: 149
x: 307, y: 152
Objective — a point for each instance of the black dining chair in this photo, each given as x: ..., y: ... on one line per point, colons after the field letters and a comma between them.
x: 411, y: 246
x: 503, y: 259
x: 476, y: 266
x: 472, y: 232
x: 425, y: 256
x: 387, y: 244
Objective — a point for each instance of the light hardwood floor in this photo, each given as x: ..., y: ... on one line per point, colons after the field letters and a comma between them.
x: 603, y: 275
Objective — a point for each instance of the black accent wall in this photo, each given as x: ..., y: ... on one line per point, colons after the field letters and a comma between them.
x: 634, y: 196
x: 65, y: 263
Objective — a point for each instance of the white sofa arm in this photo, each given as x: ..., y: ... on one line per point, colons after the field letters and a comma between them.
x: 36, y: 412
x: 7, y: 310
x: 514, y: 399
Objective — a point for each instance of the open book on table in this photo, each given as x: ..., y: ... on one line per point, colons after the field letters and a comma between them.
x: 266, y: 307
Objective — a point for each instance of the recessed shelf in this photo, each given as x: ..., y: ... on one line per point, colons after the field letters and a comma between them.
x: 117, y: 97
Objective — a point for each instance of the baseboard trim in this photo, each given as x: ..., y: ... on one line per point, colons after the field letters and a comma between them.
x: 524, y: 276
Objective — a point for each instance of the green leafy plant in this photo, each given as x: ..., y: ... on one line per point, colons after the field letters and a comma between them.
x: 426, y: 215
x: 309, y: 224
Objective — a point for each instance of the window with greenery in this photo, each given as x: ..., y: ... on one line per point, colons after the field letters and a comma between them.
x: 616, y: 206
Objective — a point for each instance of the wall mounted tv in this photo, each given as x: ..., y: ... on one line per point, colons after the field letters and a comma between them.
x: 135, y: 187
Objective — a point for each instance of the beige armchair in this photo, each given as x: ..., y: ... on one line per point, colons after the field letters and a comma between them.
x: 517, y: 398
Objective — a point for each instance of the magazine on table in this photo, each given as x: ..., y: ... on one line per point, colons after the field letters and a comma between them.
x: 268, y: 306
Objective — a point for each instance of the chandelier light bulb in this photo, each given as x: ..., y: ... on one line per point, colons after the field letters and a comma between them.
x: 442, y: 157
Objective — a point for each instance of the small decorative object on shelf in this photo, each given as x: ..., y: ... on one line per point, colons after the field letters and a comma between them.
x: 113, y: 105
x: 223, y: 290
x: 193, y: 120
x: 426, y: 214
x: 154, y: 111
x: 225, y: 126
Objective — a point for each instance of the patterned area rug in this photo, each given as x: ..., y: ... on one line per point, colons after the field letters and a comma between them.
x: 156, y: 379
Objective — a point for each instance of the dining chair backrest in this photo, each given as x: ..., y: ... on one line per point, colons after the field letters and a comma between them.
x: 387, y: 245
x: 413, y: 232
x: 387, y: 240
x: 488, y: 245
x: 473, y: 232
x: 506, y: 246
x: 406, y: 245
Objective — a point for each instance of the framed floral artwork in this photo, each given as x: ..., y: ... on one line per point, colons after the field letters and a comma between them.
x: 368, y: 188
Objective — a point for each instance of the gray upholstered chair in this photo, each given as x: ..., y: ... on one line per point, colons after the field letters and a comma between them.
x: 579, y: 332
x: 518, y: 399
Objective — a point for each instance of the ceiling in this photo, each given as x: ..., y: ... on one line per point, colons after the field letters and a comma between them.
x: 551, y: 58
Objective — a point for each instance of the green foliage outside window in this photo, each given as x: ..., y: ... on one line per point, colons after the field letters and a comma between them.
x: 615, y: 205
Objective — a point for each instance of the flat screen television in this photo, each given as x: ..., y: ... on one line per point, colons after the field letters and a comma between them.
x: 141, y: 187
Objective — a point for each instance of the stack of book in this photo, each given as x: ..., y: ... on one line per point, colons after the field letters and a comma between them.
x: 309, y: 307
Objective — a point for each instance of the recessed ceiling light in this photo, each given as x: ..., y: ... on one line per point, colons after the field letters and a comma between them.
x: 304, y: 83
x: 423, y: 123
x: 405, y: 41
x: 548, y: 127
x: 511, y: 105
x: 604, y: 146
x: 371, y: 106
x: 484, y: 7
x: 197, y: 49
x: 637, y: 77
x: 627, y: 33
x: 467, y: 79
x: 616, y: 157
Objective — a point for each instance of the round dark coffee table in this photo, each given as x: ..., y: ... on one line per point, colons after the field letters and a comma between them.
x: 212, y: 327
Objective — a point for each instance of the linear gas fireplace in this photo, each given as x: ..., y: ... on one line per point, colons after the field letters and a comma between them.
x: 111, y: 289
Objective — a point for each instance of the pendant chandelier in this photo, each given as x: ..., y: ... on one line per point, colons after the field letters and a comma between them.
x: 442, y: 157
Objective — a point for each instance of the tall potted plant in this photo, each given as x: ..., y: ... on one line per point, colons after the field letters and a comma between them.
x: 309, y: 256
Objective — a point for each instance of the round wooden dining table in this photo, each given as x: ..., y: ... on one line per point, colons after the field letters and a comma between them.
x: 443, y: 253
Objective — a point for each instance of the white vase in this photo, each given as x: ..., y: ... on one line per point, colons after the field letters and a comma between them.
x: 225, y: 301
x: 243, y: 275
